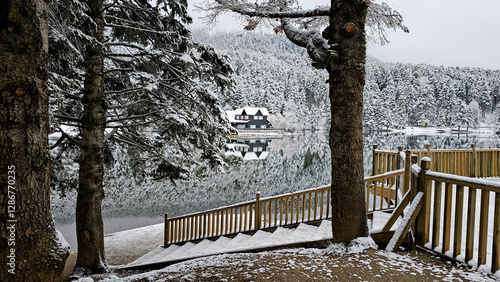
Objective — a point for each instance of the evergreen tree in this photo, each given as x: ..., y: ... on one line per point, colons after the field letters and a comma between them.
x: 144, y: 79
x: 30, y: 248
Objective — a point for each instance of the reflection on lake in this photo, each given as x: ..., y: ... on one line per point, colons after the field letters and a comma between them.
x: 272, y: 167
x: 248, y: 149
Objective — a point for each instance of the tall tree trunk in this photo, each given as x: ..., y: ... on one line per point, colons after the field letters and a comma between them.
x: 29, y: 248
x: 347, y: 79
x: 89, y: 224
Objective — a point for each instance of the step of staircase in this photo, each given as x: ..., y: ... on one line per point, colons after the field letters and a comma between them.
x: 280, y: 235
x: 237, y: 242
x: 199, y: 247
x: 217, y: 246
x: 258, y: 239
x: 159, y: 251
x: 302, y: 233
x: 324, y: 231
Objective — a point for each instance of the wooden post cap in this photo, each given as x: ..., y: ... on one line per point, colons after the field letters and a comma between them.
x: 400, y: 148
x: 257, y: 195
x: 375, y: 147
x: 473, y: 146
x: 427, y: 146
x: 408, y: 153
x: 425, y: 163
x: 414, y: 159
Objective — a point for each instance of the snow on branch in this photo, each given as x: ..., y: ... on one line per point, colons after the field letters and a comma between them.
x: 317, y: 47
x: 264, y: 9
x: 380, y: 17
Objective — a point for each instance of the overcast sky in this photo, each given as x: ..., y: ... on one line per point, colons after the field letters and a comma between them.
x: 442, y: 32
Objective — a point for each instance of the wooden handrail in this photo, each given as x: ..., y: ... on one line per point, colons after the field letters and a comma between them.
x: 385, y: 175
x: 464, y: 181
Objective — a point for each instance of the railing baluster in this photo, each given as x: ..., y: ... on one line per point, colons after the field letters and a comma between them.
x: 270, y: 213
x: 276, y: 213
x: 298, y: 210
x: 328, y: 198
x: 459, y: 203
x: 471, y: 222
x: 447, y: 217
x: 166, y: 237
x: 303, y: 207
x: 240, y: 226
x: 436, y: 214
x: 315, y: 205
x: 286, y: 210
x: 321, y: 205
x: 483, y: 226
x: 281, y: 211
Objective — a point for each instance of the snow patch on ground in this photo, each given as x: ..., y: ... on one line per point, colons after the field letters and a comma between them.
x: 357, y: 245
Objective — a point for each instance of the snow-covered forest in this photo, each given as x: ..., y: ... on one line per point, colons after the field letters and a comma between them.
x: 272, y: 72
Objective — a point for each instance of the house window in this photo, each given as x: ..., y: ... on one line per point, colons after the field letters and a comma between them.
x: 263, y: 126
x: 240, y: 126
x: 253, y: 126
x: 246, y: 117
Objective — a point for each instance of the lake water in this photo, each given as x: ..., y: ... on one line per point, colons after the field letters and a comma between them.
x: 269, y: 166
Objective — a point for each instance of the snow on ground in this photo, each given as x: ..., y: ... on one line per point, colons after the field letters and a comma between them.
x: 311, y: 264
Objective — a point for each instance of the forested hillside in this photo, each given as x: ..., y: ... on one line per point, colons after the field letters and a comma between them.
x: 272, y: 72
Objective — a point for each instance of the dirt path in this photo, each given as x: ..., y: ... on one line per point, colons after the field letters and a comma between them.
x: 312, y: 264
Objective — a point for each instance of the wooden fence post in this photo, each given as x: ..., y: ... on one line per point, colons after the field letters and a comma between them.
x: 166, y: 237
x: 257, y: 211
x: 423, y: 218
x: 374, y: 160
x: 399, y: 165
x: 407, y: 177
x: 474, y: 170
x: 428, y: 148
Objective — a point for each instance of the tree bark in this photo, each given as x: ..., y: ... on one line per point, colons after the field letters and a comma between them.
x: 29, y: 247
x: 347, y: 79
x: 89, y: 223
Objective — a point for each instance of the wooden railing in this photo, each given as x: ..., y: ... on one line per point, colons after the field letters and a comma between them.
x: 382, y: 190
x: 469, y: 162
x: 271, y: 212
x: 221, y: 221
x: 384, y: 161
x: 453, y: 231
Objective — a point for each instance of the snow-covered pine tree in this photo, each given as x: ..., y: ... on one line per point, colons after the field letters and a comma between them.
x: 156, y: 92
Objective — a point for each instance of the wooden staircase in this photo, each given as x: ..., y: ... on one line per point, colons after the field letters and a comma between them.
x: 302, y: 235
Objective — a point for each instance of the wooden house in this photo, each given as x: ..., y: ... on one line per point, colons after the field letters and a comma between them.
x: 249, y: 118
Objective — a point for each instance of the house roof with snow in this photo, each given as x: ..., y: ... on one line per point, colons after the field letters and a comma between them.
x: 251, y: 111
